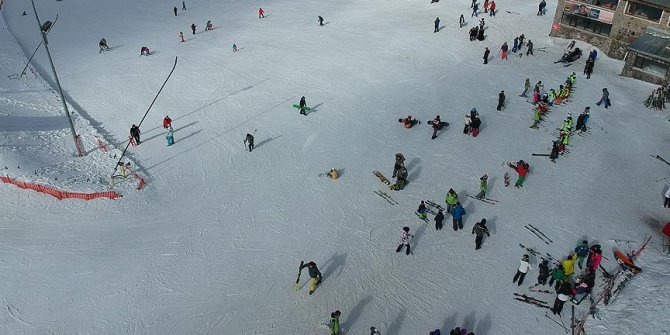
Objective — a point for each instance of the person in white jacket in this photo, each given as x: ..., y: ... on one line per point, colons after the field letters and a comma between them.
x: 468, y: 120
x: 666, y: 203
x: 523, y: 269
x: 404, y: 240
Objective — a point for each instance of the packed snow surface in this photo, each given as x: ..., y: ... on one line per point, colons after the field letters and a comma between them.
x: 212, y: 243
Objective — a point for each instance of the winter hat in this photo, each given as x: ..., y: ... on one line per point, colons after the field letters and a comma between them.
x: 525, y: 256
x: 405, y: 229
x: 483, y: 221
x: 473, y: 110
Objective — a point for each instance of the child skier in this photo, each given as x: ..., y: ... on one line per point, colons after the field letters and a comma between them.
x: 335, y: 322
x: 169, y: 136
x: 468, y: 121
x: 483, y: 185
x: 582, y: 252
x: 526, y: 86
x: 558, y: 275
x: 404, y: 240
x: 524, y: 266
x: 422, y: 210
x: 314, y: 274
x: 503, y: 51
x: 167, y: 122
x: 522, y: 169
x: 476, y: 122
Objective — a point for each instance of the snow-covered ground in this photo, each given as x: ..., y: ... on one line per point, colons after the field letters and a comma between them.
x: 211, y: 245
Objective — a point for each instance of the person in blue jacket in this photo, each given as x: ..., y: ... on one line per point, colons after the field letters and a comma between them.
x: 457, y: 215
x: 582, y: 252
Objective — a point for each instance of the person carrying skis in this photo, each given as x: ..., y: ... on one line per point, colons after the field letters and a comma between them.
x: 175, y: 10
x: 558, y: 275
x: 492, y: 8
x: 320, y: 19
x: 605, y: 99
x: 544, y: 273
x: 399, y: 162
x: 103, y: 45
x: 422, y: 210
x: 479, y: 229
x: 314, y: 274
x: 193, y: 26
x: 529, y: 45
x: 437, y: 25
x: 451, y: 199
x: 334, y: 324
x: 501, y: 101
x: 457, y: 216
x: 135, y: 134
x: 404, y: 240
x: 476, y: 122
x: 261, y: 13
x: 483, y: 185
x: 249, y: 140
x: 503, y: 51
x: 438, y: 219
x: 167, y: 122
x: 523, y: 269
x: 468, y: 121
x: 169, y: 136
x: 302, y: 105
x: 526, y: 86
x: 522, y: 169
x: 582, y: 252
x: 461, y: 21
x: 486, y: 55
x: 562, y: 296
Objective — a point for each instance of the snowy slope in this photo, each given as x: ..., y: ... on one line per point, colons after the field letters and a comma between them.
x: 212, y: 244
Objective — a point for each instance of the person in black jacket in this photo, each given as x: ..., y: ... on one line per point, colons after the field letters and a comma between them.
x: 486, y: 55
x: 320, y: 21
x: 438, y: 220
x: 474, y: 124
x: 544, y: 273
x: 437, y: 25
x: 314, y: 274
x: 303, y: 104
x: 501, y: 101
x: 480, y: 229
x: 461, y: 21
x: 249, y: 141
x: 175, y: 10
x: 135, y: 133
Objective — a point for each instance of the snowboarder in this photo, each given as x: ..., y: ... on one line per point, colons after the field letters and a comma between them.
x: 523, y: 269
x: 483, y: 185
x: 209, y: 25
x: 605, y: 99
x: 135, y: 133
x: 193, y: 28
x: 249, y: 140
x: 526, y: 86
x: 476, y: 122
x: 461, y: 21
x: 422, y: 210
x: 522, y: 169
x: 167, y: 122
x: 437, y: 25
x: 501, y: 100
x: 582, y: 252
x: 181, y: 36
x: 439, y: 217
x: 399, y: 162
x: 540, y: 7
x: 169, y: 136
x: 515, y: 47
x: 314, y: 274
x: 503, y: 51
x: 144, y: 51
x: 486, y: 55
x: 530, y: 48
x: 492, y: 10
x: 479, y: 229
x: 183, y: 5
x: 103, y: 45
x: 333, y: 174
x: 451, y: 199
x: 401, y: 180
x: 334, y: 324
x: 261, y: 13
x: 544, y: 273
x: 457, y: 216
x: 302, y: 105
x: 562, y: 296
x: 175, y: 10
x: 404, y: 240
x: 234, y: 47
x: 320, y: 21
x: 437, y: 125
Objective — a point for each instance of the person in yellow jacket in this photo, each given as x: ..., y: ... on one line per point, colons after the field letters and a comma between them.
x: 569, y: 265
x: 451, y: 199
x: 333, y: 174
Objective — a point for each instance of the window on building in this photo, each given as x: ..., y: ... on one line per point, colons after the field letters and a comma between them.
x: 587, y: 24
x: 644, y: 11
x: 609, y: 4
x: 650, y: 66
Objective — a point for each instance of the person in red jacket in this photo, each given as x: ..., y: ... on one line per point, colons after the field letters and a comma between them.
x: 492, y: 9
x: 522, y: 169
x: 167, y: 122
x: 261, y: 13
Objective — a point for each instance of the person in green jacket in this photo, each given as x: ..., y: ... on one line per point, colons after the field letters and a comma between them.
x: 335, y: 322
x: 483, y: 185
x: 537, y: 116
x: 451, y: 199
x: 526, y: 86
x: 557, y: 275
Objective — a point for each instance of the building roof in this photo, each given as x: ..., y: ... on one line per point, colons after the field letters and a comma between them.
x: 660, y: 3
x: 652, y: 45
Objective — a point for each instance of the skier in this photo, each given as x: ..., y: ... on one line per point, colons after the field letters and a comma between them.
x: 167, y: 122
x: 564, y: 138
x: 523, y: 269
x: 457, y: 216
x: 515, y: 47
x: 249, y: 140
x: 437, y: 25
x: 399, y: 162
x: 461, y: 21
x: 475, y: 10
x: 438, y: 219
x: 522, y: 169
x: 486, y: 55
x: 540, y: 7
x: 320, y: 21
x: 555, y: 148
x: 536, y: 116
x: 582, y: 252
x: 261, y: 13
x: 468, y: 122
x: 193, y: 28
x: 544, y: 273
x: 181, y: 36
x: 183, y: 5
x: 486, y: 6
x: 562, y: 296
x: 401, y: 180
x: 302, y: 105
x: 175, y: 10
x: 503, y: 51
x: 404, y: 240
x: 103, y: 45
x: 526, y: 86
x: 333, y: 174
x: 314, y: 274
x: 558, y: 275
x: 451, y: 199
x: 582, y: 120
x: 492, y: 10
x: 144, y: 51
x: 483, y: 185
x: 334, y: 324
x: 501, y: 100
x: 568, y: 265
x: 169, y: 136
x: 605, y: 99
x: 135, y: 133
x: 588, y: 68
x: 209, y: 25
x: 437, y: 125
x: 422, y: 210
x: 479, y: 229
x: 530, y: 48
x: 234, y: 47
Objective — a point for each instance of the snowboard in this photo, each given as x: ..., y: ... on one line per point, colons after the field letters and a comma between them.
x: 305, y: 109
x: 442, y: 124
x: 381, y: 177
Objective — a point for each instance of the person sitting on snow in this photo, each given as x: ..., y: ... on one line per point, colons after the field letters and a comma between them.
x: 144, y: 51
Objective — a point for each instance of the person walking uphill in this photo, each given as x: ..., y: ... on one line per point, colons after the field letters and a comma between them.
x: 175, y: 10
x: 479, y: 230
x: 439, y: 217
x: 521, y: 272
x: 501, y: 101
x: 249, y: 140
x: 314, y: 274
x: 437, y: 25
x: 451, y: 199
x: 404, y: 240
x: 486, y: 55
x: 457, y: 216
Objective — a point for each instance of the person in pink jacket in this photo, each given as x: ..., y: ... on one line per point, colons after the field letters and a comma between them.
x: 595, y: 257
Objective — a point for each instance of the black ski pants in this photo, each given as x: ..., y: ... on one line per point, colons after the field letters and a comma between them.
x: 519, y: 275
x: 666, y: 203
x: 400, y: 248
x: 542, y: 279
x: 458, y: 224
x: 438, y: 225
x: 478, y: 242
x: 558, y: 306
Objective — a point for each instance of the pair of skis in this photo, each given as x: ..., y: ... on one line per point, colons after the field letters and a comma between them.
x: 486, y: 200
x: 544, y: 238
x: 386, y: 197
x: 531, y: 300
x: 434, y: 205
x: 538, y: 254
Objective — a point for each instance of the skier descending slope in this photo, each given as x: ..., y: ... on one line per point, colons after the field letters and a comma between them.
x: 314, y: 274
x: 404, y: 240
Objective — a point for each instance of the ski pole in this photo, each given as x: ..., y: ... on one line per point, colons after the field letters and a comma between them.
x: 302, y: 263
